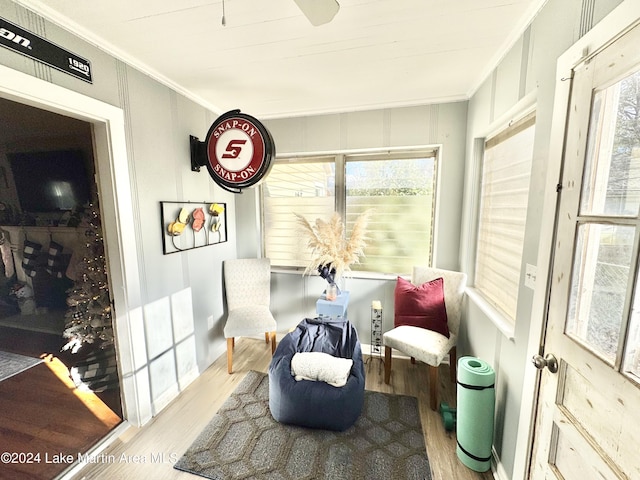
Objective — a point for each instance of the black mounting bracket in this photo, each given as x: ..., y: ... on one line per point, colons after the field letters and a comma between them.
x: 198, y: 153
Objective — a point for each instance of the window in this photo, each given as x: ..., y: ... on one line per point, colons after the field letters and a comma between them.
x: 306, y: 187
x: 399, y: 187
x: 504, y: 195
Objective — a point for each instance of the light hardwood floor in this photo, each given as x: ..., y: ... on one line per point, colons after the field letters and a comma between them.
x: 149, y: 452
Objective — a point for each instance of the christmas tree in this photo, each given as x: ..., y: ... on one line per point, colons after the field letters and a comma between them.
x: 89, y: 313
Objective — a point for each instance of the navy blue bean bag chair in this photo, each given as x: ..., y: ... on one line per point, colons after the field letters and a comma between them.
x: 316, y: 404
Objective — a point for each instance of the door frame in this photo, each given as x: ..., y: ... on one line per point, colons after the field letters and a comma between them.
x: 617, y: 23
x: 114, y: 185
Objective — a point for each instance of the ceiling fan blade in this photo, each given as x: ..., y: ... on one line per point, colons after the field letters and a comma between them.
x: 318, y: 12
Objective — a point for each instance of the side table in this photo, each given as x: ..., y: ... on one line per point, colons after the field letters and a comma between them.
x: 333, y: 308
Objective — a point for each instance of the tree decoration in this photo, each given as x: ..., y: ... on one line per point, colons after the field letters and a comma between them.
x: 89, y: 314
x: 332, y: 253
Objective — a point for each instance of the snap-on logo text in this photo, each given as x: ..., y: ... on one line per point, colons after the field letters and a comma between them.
x: 17, y: 39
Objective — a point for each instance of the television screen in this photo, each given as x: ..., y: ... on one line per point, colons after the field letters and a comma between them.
x: 50, y: 181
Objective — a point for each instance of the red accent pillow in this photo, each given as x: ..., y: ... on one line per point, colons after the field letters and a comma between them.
x: 421, y: 306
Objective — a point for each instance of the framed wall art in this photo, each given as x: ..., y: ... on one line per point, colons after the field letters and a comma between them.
x: 188, y: 225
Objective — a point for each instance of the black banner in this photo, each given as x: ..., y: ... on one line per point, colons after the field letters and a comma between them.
x: 34, y: 46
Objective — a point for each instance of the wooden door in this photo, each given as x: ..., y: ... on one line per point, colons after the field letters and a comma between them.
x: 588, y: 419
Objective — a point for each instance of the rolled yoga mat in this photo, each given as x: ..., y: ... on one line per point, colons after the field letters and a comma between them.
x: 475, y: 413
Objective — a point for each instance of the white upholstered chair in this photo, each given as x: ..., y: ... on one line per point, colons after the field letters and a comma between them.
x: 248, y: 292
x: 425, y: 345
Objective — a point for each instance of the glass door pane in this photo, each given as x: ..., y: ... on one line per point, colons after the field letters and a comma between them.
x: 612, y: 175
x: 605, y: 257
x: 599, y: 286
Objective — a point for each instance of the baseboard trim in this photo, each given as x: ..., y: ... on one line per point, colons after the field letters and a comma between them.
x: 497, y: 468
x: 188, y: 378
x: 165, y: 398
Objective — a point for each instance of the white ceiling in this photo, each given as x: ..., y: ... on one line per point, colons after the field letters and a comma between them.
x: 270, y: 62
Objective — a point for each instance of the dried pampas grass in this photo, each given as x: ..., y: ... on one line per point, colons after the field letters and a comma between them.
x: 328, y: 243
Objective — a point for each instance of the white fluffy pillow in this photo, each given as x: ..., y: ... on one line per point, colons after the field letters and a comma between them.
x: 318, y: 366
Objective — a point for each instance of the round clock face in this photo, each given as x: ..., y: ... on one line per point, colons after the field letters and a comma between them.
x: 240, y: 150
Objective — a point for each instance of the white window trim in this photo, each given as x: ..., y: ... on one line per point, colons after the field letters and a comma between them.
x: 524, y: 107
x: 301, y: 156
x: 500, y: 320
x: 351, y: 275
x: 120, y: 234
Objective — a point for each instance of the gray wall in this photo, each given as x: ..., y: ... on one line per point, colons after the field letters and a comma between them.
x: 179, y: 332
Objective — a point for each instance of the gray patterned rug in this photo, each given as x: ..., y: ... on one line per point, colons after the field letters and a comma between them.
x: 11, y: 364
x: 243, y: 441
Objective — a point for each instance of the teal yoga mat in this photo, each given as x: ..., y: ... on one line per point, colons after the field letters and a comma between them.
x: 475, y: 413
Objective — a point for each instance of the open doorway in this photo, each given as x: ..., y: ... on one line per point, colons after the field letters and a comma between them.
x: 47, y: 192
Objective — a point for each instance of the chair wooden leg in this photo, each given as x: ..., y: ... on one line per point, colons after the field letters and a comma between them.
x: 453, y: 364
x: 230, y: 345
x: 387, y: 364
x: 272, y: 336
x: 433, y: 387
x: 413, y: 361
x: 266, y: 337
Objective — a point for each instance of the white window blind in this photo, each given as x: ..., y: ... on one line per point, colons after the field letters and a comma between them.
x: 506, y: 173
x: 399, y: 188
x: 304, y: 187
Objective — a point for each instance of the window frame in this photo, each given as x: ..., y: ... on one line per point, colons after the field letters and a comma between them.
x: 340, y: 159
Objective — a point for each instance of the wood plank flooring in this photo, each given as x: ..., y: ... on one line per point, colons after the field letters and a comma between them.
x: 150, y: 451
x: 35, y: 344
x: 44, y: 414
